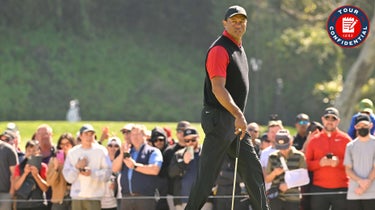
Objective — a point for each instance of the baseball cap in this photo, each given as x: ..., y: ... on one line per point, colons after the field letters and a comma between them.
x: 127, y: 127
x: 12, y: 127
x: 234, y: 10
x: 272, y: 123
x: 190, y: 132
x: 313, y: 126
x: 182, y: 125
x: 114, y: 140
x: 86, y: 128
x: 362, y: 118
x: 158, y: 133
x: 302, y: 119
x: 366, y: 105
x: 331, y: 111
x: 283, y: 139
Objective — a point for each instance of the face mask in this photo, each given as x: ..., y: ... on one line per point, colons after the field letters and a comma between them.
x: 363, y: 132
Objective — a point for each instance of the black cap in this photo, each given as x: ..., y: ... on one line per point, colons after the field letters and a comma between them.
x: 331, y: 111
x: 235, y: 10
x: 313, y: 126
x: 190, y: 131
x: 158, y: 133
x: 362, y: 118
x: 86, y: 128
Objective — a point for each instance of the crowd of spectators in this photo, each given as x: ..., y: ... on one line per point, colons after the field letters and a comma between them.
x: 148, y: 169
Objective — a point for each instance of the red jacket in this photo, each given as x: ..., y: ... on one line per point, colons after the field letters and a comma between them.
x: 320, y: 145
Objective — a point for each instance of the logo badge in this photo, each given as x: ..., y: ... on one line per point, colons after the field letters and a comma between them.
x: 348, y: 26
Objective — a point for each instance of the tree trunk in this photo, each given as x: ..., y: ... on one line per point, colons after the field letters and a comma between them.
x: 357, y: 76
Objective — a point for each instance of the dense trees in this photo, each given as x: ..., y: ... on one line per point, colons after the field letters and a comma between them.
x: 143, y: 60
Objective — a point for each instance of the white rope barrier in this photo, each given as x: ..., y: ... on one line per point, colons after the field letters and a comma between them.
x: 243, y: 197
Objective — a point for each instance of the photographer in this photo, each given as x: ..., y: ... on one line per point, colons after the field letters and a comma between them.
x: 324, y: 157
x: 30, y: 179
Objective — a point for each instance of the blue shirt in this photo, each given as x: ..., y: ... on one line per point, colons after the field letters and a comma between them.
x: 352, y: 131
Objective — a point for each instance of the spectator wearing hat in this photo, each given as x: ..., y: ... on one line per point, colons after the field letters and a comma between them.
x: 160, y: 141
x: 173, y: 182
x: 126, y: 132
x: 109, y: 201
x: 302, y: 122
x: 55, y: 179
x: 87, y: 168
x: 30, y: 179
x: 359, y: 163
x: 139, y: 166
x: 294, y: 159
x: 253, y: 130
x: 185, y: 165
x: 324, y: 156
x: 12, y: 128
x: 365, y: 107
x: 8, y: 162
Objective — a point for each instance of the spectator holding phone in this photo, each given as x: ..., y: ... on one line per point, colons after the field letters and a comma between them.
x: 88, y: 168
x: 30, y: 179
x: 55, y: 178
x: 324, y: 156
x: 139, y: 166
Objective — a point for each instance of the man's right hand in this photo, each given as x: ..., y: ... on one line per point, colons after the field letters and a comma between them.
x: 240, y: 125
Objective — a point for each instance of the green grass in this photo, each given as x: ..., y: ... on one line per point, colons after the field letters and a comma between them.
x: 28, y: 128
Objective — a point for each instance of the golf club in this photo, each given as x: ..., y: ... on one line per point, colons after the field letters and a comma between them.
x: 235, y: 168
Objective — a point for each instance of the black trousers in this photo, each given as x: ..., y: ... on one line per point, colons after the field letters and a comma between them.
x: 328, y: 201
x: 220, y: 140
x: 361, y: 204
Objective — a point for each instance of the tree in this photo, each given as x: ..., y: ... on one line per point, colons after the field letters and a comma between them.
x: 358, y: 75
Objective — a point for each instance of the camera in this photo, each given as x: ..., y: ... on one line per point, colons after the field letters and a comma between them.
x: 329, y: 155
x: 126, y: 155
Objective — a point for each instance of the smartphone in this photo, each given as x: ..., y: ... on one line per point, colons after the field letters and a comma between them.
x: 191, y: 151
x: 329, y: 155
x: 60, y: 156
x: 126, y: 155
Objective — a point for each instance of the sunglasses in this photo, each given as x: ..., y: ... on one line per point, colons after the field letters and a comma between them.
x: 190, y: 140
x: 161, y: 140
x: 125, y: 131
x: 113, y: 145
x: 330, y: 118
x: 303, y: 122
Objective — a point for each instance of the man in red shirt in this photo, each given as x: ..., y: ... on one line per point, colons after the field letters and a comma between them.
x: 324, y: 156
x: 226, y: 91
